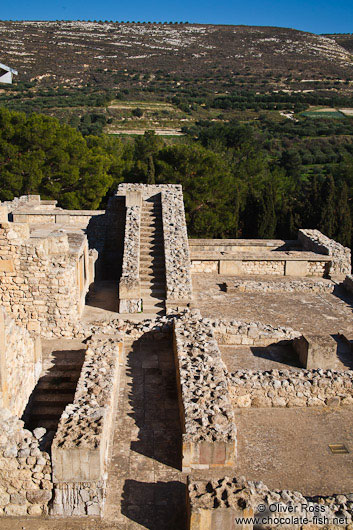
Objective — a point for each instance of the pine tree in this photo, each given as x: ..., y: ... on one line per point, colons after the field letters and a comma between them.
x: 344, y: 230
x: 328, y: 218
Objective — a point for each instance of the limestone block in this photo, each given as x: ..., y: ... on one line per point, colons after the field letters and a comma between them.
x: 3, y: 214
x: 133, y: 198
x: 231, y: 268
x: 296, y: 268
x: 316, y: 351
x: 7, y: 265
x: 219, y: 519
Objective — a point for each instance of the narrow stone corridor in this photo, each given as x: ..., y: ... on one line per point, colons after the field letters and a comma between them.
x: 146, y: 488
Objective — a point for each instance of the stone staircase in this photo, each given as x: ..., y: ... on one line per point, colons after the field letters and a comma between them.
x: 152, y: 266
x: 55, y: 389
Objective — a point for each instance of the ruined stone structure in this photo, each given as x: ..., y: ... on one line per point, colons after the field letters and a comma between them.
x: 122, y: 393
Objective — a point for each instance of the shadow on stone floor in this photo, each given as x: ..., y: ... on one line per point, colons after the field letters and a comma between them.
x: 281, y: 352
x: 154, y: 400
x: 341, y: 293
x: 155, y: 506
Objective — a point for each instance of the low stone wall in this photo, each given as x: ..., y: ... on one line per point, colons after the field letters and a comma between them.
x: 278, y: 264
x: 315, y: 241
x: 250, y: 333
x: 176, y: 249
x: 20, y: 361
x: 209, y: 432
x: 216, y: 503
x: 290, y: 285
x: 80, y: 450
x: 285, y: 388
x: 129, y: 285
x: 25, y: 470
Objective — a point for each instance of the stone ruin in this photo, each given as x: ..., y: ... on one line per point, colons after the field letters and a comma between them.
x: 99, y: 284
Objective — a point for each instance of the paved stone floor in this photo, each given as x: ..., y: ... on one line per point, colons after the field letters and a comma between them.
x: 288, y: 448
x: 322, y: 313
x: 273, y: 357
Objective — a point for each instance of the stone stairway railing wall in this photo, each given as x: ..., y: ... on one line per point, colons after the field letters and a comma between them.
x: 81, y: 447
x: 315, y: 241
x: 129, y: 285
x: 176, y: 250
x: 207, y: 418
x: 20, y: 364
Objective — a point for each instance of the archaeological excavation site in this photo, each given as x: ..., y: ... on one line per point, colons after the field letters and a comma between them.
x: 151, y: 381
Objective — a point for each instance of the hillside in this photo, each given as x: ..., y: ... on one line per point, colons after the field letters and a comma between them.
x: 77, y: 53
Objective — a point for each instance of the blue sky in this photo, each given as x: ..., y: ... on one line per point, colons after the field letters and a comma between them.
x: 317, y: 16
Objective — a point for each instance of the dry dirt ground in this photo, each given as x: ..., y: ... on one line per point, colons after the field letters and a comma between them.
x: 288, y: 448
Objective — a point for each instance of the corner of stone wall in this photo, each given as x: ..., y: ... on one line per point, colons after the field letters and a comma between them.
x: 25, y: 470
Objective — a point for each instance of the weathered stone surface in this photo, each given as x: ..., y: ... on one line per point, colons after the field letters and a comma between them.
x: 209, y: 437
x: 237, y: 497
x: 316, y: 241
x: 285, y: 388
x: 80, y: 446
x: 21, y: 478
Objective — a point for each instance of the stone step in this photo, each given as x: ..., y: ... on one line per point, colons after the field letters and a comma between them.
x: 46, y: 411
x: 51, y: 385
x: 158, y: 293
x: 51, y: 398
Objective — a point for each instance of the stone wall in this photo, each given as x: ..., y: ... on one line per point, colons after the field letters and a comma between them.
x: 20, y: 361
x: 176, y: 249
x: 209, y: 432
x: 315, y: 241
x: 302, y: 285
x: 80, y: 450
x: 217, y: 502
x: 40, y: 283
x: 288, y: 388
x: 25, y: 470
x: 129, y: 285
x: 281, y: 265
x: 250, y: 333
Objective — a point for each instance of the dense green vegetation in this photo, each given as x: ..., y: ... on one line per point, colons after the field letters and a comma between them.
x: 264, y: 179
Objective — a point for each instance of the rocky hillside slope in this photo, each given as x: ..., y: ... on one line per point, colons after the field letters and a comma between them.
x: 82, y: 52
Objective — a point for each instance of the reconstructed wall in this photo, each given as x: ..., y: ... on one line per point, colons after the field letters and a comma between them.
x: 216, y: 503
x: 42, y: 284
x: 209, y: 432
x: 315, y: 241
x: 80, y: 449
x: 25, y: 470
x: 20, y: 364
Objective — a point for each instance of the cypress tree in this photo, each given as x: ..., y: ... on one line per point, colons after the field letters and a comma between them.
x: 267, y: 220
x: 328, y: 218
x: 150, y: 170
x: 344, y: 230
